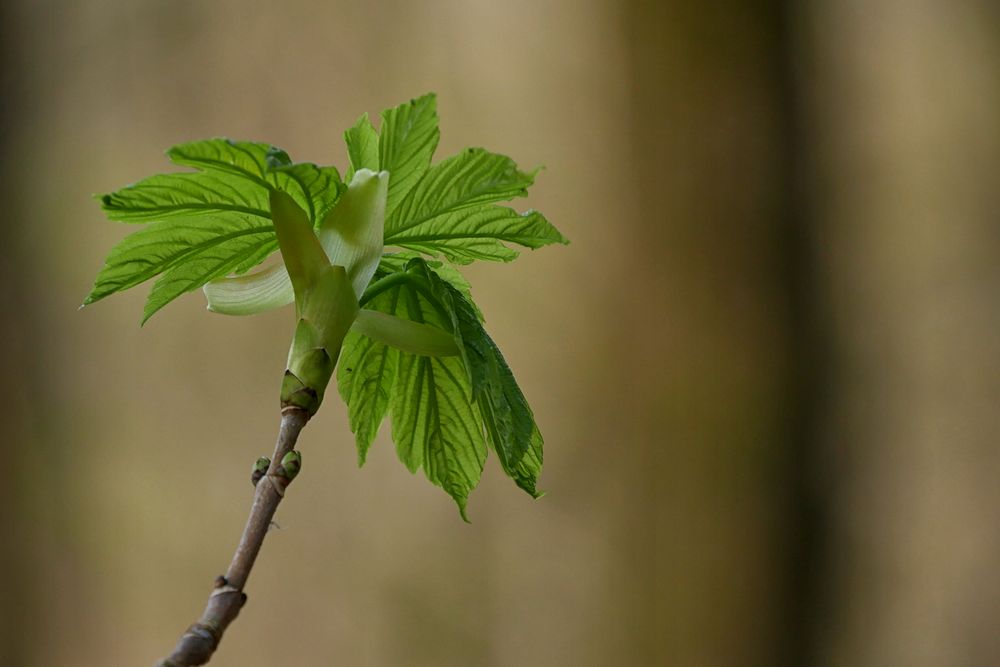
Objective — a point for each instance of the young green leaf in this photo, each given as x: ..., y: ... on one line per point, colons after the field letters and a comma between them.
x: 394, y: 262
x: 474, y: 176
x: 466, y: 236
x: 449, y: 212
x: 434, y: 424
x: 264, y: 167
x: 525, y: 473
x: 186, y: 195
x: 362, y: 147
x: 444, y: 210
x: 209, y: 224
x: 407, y: 139
x: 189, y: 252
x: 510, y: 424
x: 478, y: 387
x: 234, y: 256
x: 366, y: 375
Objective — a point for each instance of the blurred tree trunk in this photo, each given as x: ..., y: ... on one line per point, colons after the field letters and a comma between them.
x: 17, y: 412
x: 737, y: 561
x: 725, y: 523
x: 905, y: 99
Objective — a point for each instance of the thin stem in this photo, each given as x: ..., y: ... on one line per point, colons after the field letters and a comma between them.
x: 197, y: 644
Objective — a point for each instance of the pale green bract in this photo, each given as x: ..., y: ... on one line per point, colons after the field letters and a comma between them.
x: 416, y: 350
x: 351, y: 235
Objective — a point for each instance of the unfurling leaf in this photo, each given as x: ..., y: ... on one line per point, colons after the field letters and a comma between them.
x: 350, y: 234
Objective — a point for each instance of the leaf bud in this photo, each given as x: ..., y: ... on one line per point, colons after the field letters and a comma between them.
x: 259, y: 469
x: 291, y: 463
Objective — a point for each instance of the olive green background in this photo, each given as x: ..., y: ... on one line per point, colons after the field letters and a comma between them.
x: 767, y: 367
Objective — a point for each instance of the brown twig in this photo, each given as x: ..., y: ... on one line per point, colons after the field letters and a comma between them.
x: 200, y: 640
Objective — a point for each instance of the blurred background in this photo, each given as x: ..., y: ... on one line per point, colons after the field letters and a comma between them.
x: 767, y: 368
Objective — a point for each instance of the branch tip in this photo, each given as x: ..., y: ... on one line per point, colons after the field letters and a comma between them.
x: 202, y: 638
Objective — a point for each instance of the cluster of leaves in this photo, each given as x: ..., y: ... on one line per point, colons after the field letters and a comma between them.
x: 446, y: 410
x: 207, y: 224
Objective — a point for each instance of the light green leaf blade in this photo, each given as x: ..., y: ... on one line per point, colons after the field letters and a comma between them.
x: 478, y: 233
x: 247, y: 159
x: 315, y: 189
x: 362, y: 147
x: 407, y: 140
x: 366, y: 375
x: 525, y: 473
x: 481, y: 393
x: 186, y: 195
x: 506, y: 415
x: 434, y: 424
x: 473, y: 177
x: 214, y: 259
x: 396, y: 261
x: 213, y: 245
x: 207, y: 224
x: 449, y: 213
x: 509, y: 421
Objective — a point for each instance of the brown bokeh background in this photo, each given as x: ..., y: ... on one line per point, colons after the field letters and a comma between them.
x: 767, y: 367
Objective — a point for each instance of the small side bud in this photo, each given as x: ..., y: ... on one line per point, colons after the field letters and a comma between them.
x: 291, y: 463
x: 259, y: 469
